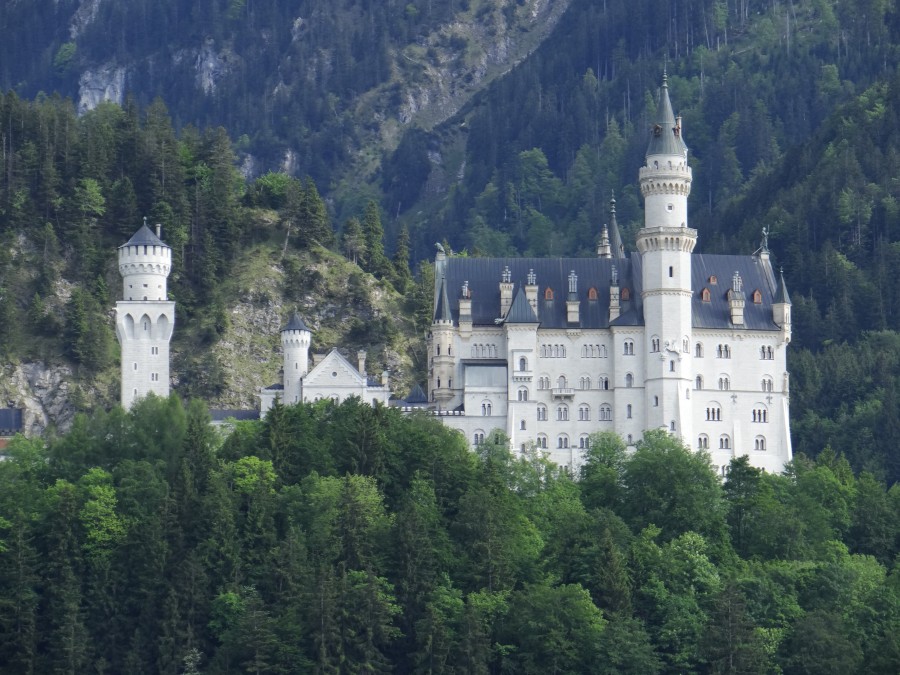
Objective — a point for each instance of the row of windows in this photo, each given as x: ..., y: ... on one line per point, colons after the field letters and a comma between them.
x: 562, y: 382
x: 723, y: 351
x: 553, y: 351
x: 483, y: 351
x: 584, y: 413
x: 766, y: 383
x: 706, y: 295
x: 759, y: 443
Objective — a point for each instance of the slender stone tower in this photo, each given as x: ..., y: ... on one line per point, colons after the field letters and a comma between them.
x: 666, y: 243
x: 145, y: 317
x: 295, y: 341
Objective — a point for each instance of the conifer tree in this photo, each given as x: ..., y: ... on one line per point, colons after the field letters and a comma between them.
x: 400, y: 261
x: 353, y: 241
x: 374, y: 262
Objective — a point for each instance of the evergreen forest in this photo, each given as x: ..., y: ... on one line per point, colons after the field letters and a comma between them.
x: 351, y: 539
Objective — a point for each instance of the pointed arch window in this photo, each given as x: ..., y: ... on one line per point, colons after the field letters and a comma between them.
x: 548, y: 294
x: 705, y: 295
x: 757, y: 297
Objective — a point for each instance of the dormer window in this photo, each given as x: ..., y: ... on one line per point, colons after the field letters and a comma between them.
x: 592, y: 293
x: 706, y: 295
x: 757, y: 297
x: 626, y: 293
x: 713, y: 279
x: 548, y: 294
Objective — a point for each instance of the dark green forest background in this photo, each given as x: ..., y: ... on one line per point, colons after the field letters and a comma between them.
x: 353, y: 539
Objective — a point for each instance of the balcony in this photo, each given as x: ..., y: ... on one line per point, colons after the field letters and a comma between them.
x: 562, y: 392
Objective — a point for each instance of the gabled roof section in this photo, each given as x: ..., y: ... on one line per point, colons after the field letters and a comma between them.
x: 335, y: 362
x: 442, y: 310
x: 665, y: 135
x: 145, y: 237
x: 295, y: 323
x: 520, y: 311
x: 483, y: 275
x: 781, y: 293
x: 754, y: 273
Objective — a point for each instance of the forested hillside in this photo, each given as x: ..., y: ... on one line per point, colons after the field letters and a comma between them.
x: 356, y: 539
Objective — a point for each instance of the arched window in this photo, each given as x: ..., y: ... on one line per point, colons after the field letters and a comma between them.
x: 698, y: 383
x: 542, y: 441
x: 630, y: 439
x: 542, y: 413
x: 724, y: 383
x: 585, y: 382
x: 522, y: 425
x: 628, y: 348
x: 562, y: 382
x: 625, y: 295
x: 724, y: 442
x: 562, y: 351
x: 628, y: 411
x: 605, y: 413
x: 703, y: 442
x: 757, y: 297
x: 698, y: 350
x: 486, y: 409
x: 656, y: 401
x: 592, y: 293
x: 767, y: 384
x: 713, y: 279
x: 760, y: 414
x: 562, y: 441
x: 759, y: 443
x: 672, y: 366
x: 523, y: 393
x: 584, y: 441
x: 523, y: 364
x: 602, y: 351
x: 714, y: 414
x: 548, y: 294
x: 629, y: 380
x: 603, y: 382
x: 672, y: 425
x: 654, y: 344
x: 562, y: 413
x: 686, y: 346
x: 584, y: 413
x: 705, y: 295
x: 478, y: 438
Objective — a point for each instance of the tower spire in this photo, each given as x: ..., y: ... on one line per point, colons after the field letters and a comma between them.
x: 615, y: 237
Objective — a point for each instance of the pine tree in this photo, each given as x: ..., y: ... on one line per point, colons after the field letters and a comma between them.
x: 374, y: 261
x: 400, y: 261
x: 353, y: 241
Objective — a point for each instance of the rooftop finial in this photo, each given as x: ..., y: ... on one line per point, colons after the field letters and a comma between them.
x: 507, y: 275
x: 145, y: 221
x: 765, y: 239
x: 736, y: 282
x: 612, y: 201
x: 532, y: 278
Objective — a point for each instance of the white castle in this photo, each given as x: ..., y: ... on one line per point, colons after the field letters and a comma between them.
x: 145, y: 317
x: 331, y: 377
x: 551, y: 350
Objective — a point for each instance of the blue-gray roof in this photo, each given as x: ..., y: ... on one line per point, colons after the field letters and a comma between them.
x: 781, y: 294
x: 520, y: 311
x: 295, y: 323
x: 617, y: 248
x: 442, y: 309
x: 10, y: 421
x: 144, y: 237
x: 484, y: 274
x: 665, y: 138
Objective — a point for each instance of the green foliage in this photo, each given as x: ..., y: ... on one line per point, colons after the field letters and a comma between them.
x: 349, y: 538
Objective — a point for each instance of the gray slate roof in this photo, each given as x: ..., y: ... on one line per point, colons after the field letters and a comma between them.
x: 295, y: 323
x: 781, y: 294
x: 442, y: 309
x: 483, y: 275
x: 520, y: 311
x: 145, y: 237
x: 663, y: 137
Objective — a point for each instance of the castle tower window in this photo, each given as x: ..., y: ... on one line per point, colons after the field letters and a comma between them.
x: 603, y: 382
x: 523, y: 364
x: 698, y: 383
x: 478, y: 438
x: 592, y: 293
x: 698, y: 350
x: 654, y: 345
x: 542, y: 441
x: 703, y: 442
x: 629, y: 380
x: 628, y: 348
x: 522, y: 425
x: 757, y: 297
x: 523, y: 393
x: 656, y: 401
x: 628, y: 411
x: 671, y: 366
x: 605, y: 413
x: 584, y: 442
x: 562, y: 413
x: 562, y: 441
x: 542, y: 413
x: 584, y: 413
x: 760, y: 443
x: 724, y: 442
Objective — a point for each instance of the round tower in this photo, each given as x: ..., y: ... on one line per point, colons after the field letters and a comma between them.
x: 441, y: 345
x: 145, y: 318
x: 666, y: 243
x: 295, y: 341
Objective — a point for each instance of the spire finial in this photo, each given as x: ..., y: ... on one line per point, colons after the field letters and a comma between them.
x: 145, y: 221
x: 612, y: 201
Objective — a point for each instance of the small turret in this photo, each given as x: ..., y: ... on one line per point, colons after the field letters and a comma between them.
x: 781, y: 308
x: 144, y: 263
x: 531, y: 291
x: 603, y: 249
x: 295, y: 341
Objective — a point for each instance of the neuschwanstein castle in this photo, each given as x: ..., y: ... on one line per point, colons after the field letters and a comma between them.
x: 550, y: 350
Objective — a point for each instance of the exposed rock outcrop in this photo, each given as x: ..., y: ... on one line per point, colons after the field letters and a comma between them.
x: 105, y: 83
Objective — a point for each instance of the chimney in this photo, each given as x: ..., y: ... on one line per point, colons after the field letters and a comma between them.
x: 159, y: 230
x: 506, y: 290
x: 614, y: 295
x: 572, y: 302
x: 736, y: 300
x: 465, y: 311
x: 531, y: 291
x: 361, y: 361
x: 384, y: 378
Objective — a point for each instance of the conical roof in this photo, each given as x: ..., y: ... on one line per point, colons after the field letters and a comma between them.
x: 144, y: 237
x: 781, y: 293
x: 442, y: 310
x: 617, y: 248
x: 417, y: 395
x: 665, y: 136
x: 521, y: 311
x: 295, y: 323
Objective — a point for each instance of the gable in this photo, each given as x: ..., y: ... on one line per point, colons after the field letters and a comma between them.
x: 334, y: 371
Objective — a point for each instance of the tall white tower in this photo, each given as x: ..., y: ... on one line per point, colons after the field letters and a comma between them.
x: 295, y: 340
x: 145, y: 317
x: 666, y: 243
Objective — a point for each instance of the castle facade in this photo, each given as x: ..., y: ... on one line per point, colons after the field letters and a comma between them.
x: 551, y: 350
